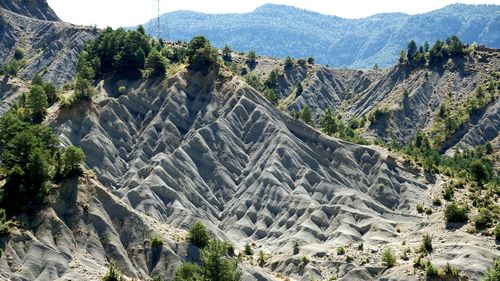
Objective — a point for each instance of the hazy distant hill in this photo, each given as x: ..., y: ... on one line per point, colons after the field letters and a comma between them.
x: 277, y: 30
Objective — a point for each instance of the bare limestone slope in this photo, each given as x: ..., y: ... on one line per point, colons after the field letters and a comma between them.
x: 411, y: 97
x: 82, y: 229
x: 213, y: 149
x: 50, y: 48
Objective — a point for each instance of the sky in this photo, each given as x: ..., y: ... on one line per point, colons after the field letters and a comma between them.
x: 116, y: 13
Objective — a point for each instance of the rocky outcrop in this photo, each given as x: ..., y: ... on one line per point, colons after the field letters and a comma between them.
x: 50, y: 48
x: 410, y: 96
x: 213, y: 149
x: 85, y: 228
x: 38, y: 9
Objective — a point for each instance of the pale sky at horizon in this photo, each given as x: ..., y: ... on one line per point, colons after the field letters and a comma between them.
x: 117, y: 13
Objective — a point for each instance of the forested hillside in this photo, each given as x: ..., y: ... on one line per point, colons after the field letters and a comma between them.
x: 276, y: 30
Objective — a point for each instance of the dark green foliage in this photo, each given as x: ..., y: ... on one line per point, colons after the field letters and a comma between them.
x: 496, y: 232
x: 298, y: 88
x: 226, y: 54
x: 310, y: 60
x: 188, y: 272
x: 198, y: 235
x: 216, y: 265
x: 436, y: 55
x: 113, y: 274
x: 248, y: 250
x: 454, y: 213
x: 4, y: 224
x: 114, y: 51
x: 251, y: 59
x: 84, y: 89
x: 493, y: 273
x: 288, y: 63
x: 37, y: 80
x: 305, y: 115
x: 272, y: 96
x: 37, y: 103
x: 388, y: 258
x: 412, y: 52
x: 333, y: 126
x: 27, y: 153
x: 340, y: 251
x: 244, y: 71
x: 156, y: 241
x: 449, y: 190
x: 18, y: 54
x: 31, y: 158
x: 72, y: 159
x: 426, y: 246
x: 201, y: 55
x: 484, y: 219
x: 272, y: 80
x: 450, y: 271
x: 254, y: 81
x: 156, y: 64
x: 431, y: 271
x: 50, y: 92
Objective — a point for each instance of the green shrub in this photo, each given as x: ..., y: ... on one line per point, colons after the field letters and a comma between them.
x: 288, y: 63
x: 156, y: 241
x: 448, y: 192
x: 420, y: 208
x: 244, y: 71
x: 72, y: 159
x: 340, y: 251
x: 122, y: 89
x: 454, y: 213
x: 451, y: 271
x: 251, y: 59
x: 493, y: 273
x: 484, y: 219
x: 18, y: 54
x: 113, y: 274
x: 436, y: 202
x: 248, y: 250
x: 426, y: 246
x: 156, y: 64
x: 304, y: 260
x: 431, y: 271
x: 198, y: 235
x: 201, y: 55
x: 388, y: 258
x: 310, y: 60
x: 37, y: 103
x: 188, y: 272
x: 4, y: 223
x: 497, y: 232
x: 215, y: 263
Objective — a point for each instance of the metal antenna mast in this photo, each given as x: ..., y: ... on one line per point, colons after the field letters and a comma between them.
x: 158, y: 25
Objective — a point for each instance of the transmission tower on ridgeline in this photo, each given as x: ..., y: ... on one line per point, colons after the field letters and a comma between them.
x: 158, y: 22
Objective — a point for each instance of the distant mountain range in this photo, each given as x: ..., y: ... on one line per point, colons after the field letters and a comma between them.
x: 280, y: 31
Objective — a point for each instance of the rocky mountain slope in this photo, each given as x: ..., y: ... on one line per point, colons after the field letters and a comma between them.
x: 38, y: 9
x: 410, y: 97
x: 280, y: 31
x: 50, y: 47
x: 213, y: 149
x: 163, y: 153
